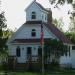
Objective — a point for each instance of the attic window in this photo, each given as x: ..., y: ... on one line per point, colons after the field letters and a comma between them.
x: 33, y: 29
x: 33, y: 15
x: 33, y: 33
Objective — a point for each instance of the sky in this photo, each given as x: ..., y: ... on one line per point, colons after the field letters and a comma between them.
x: 16, y: 16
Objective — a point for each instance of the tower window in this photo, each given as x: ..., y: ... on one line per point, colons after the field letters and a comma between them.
x: 18, y: 51
x: 33, y: 32
x: 33, y: 15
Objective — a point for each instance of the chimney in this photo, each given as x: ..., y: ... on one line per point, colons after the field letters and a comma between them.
x: 49, y: 15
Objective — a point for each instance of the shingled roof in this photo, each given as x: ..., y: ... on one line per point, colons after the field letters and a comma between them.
x: 36, y: 40
x: 58, y: 33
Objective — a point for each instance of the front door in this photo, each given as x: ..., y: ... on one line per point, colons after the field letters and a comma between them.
x: 29, y: 58
x: 29, y: 52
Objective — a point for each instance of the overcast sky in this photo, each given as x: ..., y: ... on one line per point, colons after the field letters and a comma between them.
x: 15, y: 11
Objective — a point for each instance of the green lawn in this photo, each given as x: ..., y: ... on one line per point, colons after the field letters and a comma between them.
x: 32, y: 73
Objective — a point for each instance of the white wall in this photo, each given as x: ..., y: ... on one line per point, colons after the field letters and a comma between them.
x: 11, y: 49
x: 25, y: 32
x: 44, y: 14
x: 72, y: 57
x: 23, y: 47
x: 39, y: 12
x: 32, y: 8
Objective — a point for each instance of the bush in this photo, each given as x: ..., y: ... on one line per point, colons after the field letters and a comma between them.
x: 3, y: 66
x: 54, y: 66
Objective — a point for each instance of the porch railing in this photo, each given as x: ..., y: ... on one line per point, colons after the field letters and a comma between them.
x: 33, y: 58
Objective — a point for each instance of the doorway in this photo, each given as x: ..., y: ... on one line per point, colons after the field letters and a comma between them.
x: 29, y: 58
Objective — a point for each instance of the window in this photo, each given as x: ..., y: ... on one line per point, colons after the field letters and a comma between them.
x: 33, y: 15
x: 42, y: 16
x: 33, y: 33
x: 45, y: 17
x: 73, y: 47
x: 18, y: 51
x: 28, y: 50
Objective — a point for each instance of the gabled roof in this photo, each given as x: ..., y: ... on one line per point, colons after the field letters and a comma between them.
x: 38, y: 5
x: 41, y: 6
x: 60, y: 35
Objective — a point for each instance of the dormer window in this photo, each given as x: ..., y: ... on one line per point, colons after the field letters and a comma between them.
x: 33, y: 15
x: 33, y: 33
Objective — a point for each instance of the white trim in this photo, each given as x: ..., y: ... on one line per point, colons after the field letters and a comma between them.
x: 25, y: 43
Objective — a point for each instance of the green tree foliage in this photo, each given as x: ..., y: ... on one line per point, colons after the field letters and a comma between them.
x: 61, y: 2
x: 2, y: 39
x: 2, y: 21
x: 57, y: 3
x: 72, y: 24
x: 7, y: 33
x: 71, y: 32
x: 59, y: 24
x: 56, y: 47
x: 71, y: 36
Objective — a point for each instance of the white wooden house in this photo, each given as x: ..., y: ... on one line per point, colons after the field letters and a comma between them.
x: 25, y: 43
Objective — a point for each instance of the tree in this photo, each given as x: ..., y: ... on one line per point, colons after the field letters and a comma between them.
x: 57, y: 3
x: 2, y: 26
x: 71, y: 36
x: 71, y: 32
x: 55, y: 47
x: 7, y: 33
x: 72, y: 24
x: 59, y: 24
x: 61, y: 2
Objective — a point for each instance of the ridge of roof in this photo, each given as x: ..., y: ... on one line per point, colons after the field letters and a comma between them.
x: 42, y: 7
x: 39, y: 6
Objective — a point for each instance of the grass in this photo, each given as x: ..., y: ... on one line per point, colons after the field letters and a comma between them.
x: 35, y: 73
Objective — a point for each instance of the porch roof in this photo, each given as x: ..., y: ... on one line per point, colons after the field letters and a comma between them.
x: 29, y: 40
